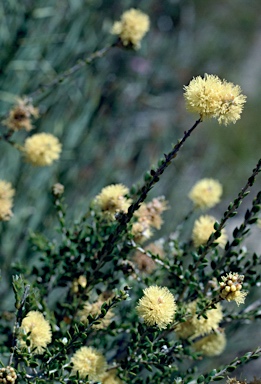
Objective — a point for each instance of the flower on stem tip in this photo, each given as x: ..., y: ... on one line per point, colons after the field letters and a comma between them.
x: 203, y: 228
x: 231, y: 288
x: 20, y: 115
x: 89, y: 361
x: 6, y: 200
x: 211, y: 345
x: 206, y: 193
x: 112, y: 200
x: 38, y: 331
x: 42, y: 149
x: 195, y: 326
x: 212, y: 97
x: 157, y: 306
x: 133, y: 25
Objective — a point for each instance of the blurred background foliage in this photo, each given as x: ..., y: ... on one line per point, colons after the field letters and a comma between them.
x: 117, y: 116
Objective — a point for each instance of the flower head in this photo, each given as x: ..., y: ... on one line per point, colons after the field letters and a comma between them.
x: 20, y: 115
x: 38, y: 331
x: 5, y: 209
x: 195, y: 326
x: 212, y: 97
x: 141, y: 231
x: 133, y: 25
x: 151, y: 212
x: 157, y: 306
x: 203, y: 228
x: 211, y: 345
x: 42, y: 149
x: 206, y: 193
x: 8, y: 375
x: 6, y: 200
x: 112, y: 200
x: 6, y: 190
x: 111, y: 378
x: 231, y: 288
x: 143, y: 261
x: 95, y: 310
x: 89, y: 361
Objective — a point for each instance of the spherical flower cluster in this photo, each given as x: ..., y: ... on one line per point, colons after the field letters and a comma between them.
x: 206, y: 193
x: 148, y: 216
x: 152, y: 211
x: 231, y: 288
x: 211, y: 345
x: 89, y: 361
x: 95, y: 310
x: 195, y: 326
x: 157, y: 306
x: 111, y: 378
x: 212, y: 97
x: 42, y: 149
x: 20, y: 116
x: 144, y: 262
x: 6, y: 200
x: 112, y: 200
x: 203, y: 228
x: 8, y: 375
x: 133, y: 25
x: 81, y: 281
x: 38, y: 331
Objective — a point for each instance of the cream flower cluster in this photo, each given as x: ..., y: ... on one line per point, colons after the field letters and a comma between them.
x: 20, y: 115
x: 111, y: 200
x: 194, y: 326
x: 133, y: 25
x: 6, y: 200
x: 212, y: 97
x: 148, y: 217
x: 38, y: 331
x: 206, y: 193
x: 211, y: 345
x: 157, y: 306
x: 203, y: 228
x: 95, y: 310
x: 89, y: 361
x: 42, y: 149
x: 231, y: 288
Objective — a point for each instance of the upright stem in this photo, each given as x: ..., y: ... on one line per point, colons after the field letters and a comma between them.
x: 230, y: 212
x: 124, y: 219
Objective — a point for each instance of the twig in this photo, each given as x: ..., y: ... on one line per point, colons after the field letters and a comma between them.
x: 68, y: 72
x: 18, y: 322
x: 230, y: 212
x: 124, y: 219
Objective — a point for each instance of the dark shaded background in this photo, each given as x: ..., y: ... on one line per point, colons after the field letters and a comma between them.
x: 116, y: 117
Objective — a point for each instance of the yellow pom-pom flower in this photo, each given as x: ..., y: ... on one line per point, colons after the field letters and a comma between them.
x: 6, y: 190
x: 231, y: 288
x: 203, y: 227
x: 42, y: 149
x: 89, y: 361
x: 38, y: 331
x: 195, y: 326
x: 157, y: 306
x: 211, y: 97
x: 95, y: 310
x: 206, y: 193
x: 112, y: 200
x: 211, y: 345
x: 133, y: 25
x: 6, y: 200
